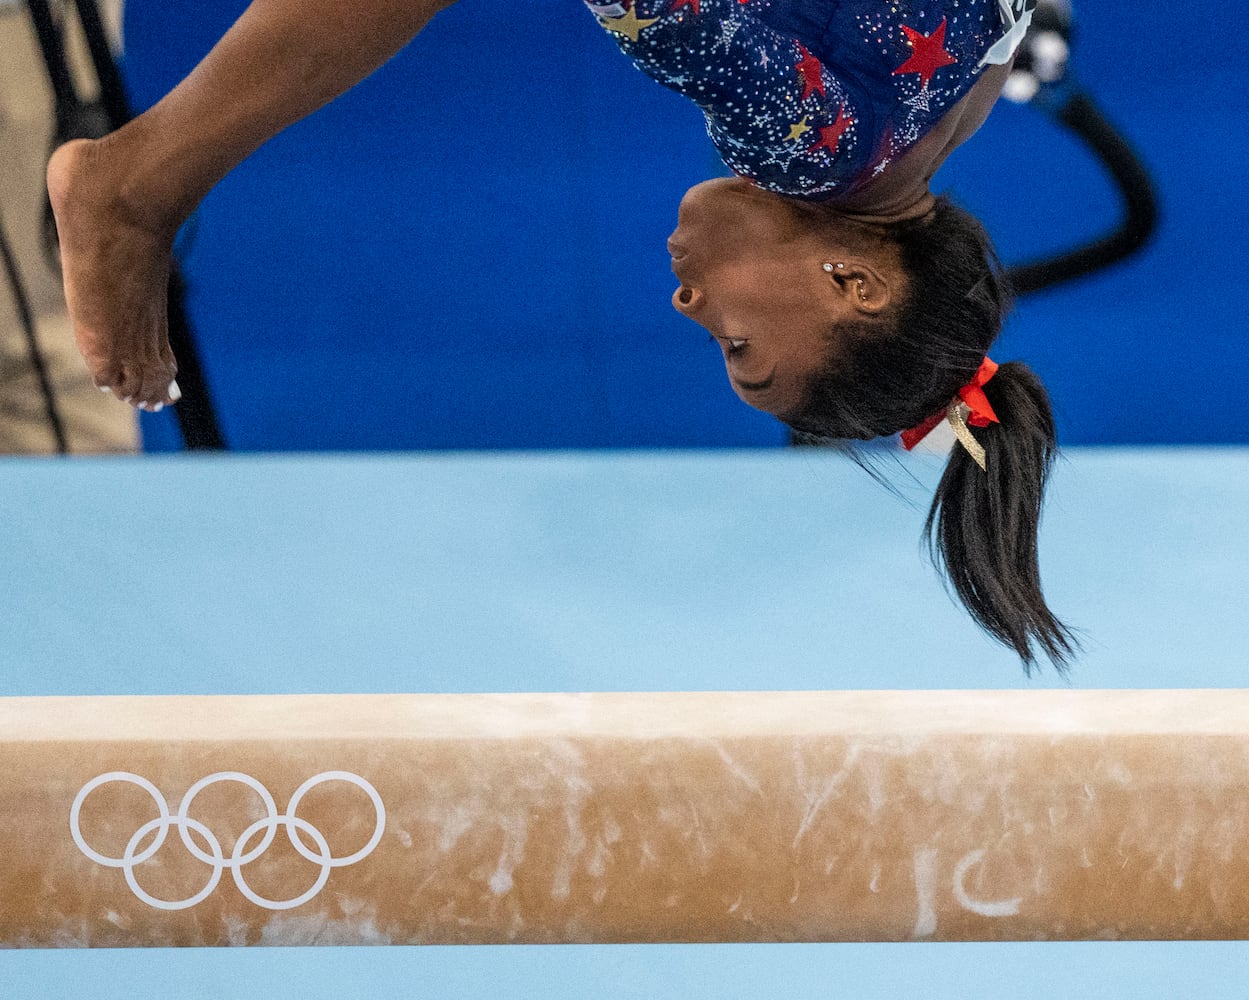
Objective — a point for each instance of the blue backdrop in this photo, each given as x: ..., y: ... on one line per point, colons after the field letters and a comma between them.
x: 468, y: 249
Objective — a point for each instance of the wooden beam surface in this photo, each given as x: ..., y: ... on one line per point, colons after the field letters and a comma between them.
x: 715, y: 816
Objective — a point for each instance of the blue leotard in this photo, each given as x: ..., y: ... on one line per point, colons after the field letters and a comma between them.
x: 813, y: 98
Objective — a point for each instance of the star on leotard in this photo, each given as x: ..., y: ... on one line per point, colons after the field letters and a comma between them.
x: 781, y: 158
x: 810, y: 71
x: 928, y: 54
x: 727, y: 30
x: 921, y: 101
x: 678, y: 4
x: 628, y: 24
x: 830, y: 135
x: 798, y: 129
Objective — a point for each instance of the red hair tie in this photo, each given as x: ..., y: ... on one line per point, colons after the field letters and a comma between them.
x: 980, y: 411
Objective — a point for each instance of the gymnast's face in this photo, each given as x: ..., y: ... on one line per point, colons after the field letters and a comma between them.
x: 751, y: 268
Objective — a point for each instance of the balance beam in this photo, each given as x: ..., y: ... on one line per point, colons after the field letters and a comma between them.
x: 543, y: 818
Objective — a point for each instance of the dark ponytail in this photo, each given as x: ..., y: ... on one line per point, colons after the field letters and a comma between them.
x: 982, y: 527
x: 888, y: 374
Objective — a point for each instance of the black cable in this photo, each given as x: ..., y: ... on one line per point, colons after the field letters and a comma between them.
x: 1081, y: 116
x: 196, y: 418
x: 53, y: 47
x: 1041, y: 78
x: 112, y: 92
x: 27, y: 320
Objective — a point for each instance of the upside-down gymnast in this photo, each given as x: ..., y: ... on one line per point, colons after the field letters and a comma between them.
x: 848, y: 300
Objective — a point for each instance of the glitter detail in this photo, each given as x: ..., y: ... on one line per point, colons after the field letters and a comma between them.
x: 756, y: 69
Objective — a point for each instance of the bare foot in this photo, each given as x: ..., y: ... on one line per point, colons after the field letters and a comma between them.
x: 116, y: 269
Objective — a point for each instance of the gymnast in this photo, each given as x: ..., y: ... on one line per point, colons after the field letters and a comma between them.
x: 849, y: 301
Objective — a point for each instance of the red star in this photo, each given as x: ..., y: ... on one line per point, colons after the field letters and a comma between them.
x: 928, y: 54
x: 678, y: 4
x: 809, y: 69
x: 830, y: 135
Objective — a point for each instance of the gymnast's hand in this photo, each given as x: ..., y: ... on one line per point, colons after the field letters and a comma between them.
x: 115, y: 259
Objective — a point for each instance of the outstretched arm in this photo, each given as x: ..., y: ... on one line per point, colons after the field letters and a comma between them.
x: 119, y: 200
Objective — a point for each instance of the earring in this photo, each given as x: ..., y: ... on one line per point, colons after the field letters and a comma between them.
x: 829, y: 268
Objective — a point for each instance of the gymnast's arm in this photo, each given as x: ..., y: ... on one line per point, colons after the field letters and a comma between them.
x: 118, y: 201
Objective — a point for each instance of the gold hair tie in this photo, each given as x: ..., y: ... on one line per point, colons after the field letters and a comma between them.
x: 957, y: 414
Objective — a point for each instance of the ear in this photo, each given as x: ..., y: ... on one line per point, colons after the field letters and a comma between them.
x: 860, y: 286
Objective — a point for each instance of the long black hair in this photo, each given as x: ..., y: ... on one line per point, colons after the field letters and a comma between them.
x: 889, y: 373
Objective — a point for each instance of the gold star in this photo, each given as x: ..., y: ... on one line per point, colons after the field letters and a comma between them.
x: 796, y: 130
x: 627, y: 25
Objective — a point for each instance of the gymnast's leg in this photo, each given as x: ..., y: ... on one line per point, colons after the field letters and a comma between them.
x: 119, y: 200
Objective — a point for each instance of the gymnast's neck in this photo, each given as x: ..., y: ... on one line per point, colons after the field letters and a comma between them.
x: 903, y: 192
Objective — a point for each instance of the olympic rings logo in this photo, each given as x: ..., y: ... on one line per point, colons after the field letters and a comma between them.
x: 240, y: 856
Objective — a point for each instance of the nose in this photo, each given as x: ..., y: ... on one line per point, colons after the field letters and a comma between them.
x: 686, y: 300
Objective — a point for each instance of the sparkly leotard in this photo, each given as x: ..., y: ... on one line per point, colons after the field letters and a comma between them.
x: 813, y: 98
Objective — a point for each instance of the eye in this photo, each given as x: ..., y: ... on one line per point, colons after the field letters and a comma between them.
x: 732, y: 344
